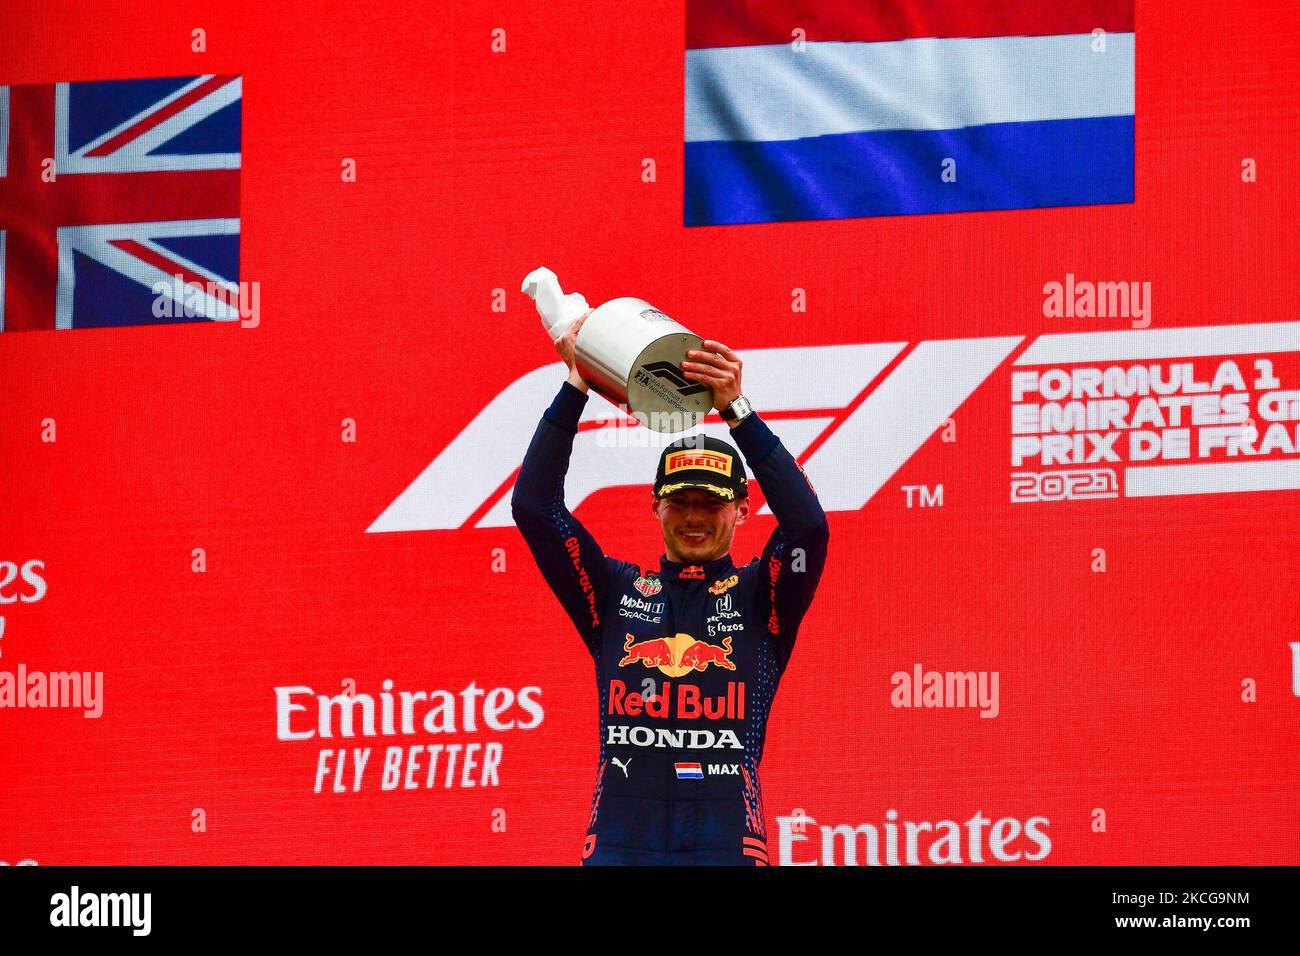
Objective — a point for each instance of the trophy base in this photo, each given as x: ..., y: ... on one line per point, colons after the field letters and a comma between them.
x: 659, y: 396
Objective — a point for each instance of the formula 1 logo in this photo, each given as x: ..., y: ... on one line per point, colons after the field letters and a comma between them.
x: 866, y: 429
x: 676, y: 655
x: 673, y: 376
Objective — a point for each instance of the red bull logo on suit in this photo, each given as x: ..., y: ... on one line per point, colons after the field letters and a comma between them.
x: 676, y: 655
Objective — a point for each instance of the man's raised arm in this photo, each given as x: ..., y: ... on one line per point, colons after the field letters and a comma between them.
x: 569, y: 558
x: 796, y: 553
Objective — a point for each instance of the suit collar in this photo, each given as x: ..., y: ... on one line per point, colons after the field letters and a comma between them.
x: 676, y: 571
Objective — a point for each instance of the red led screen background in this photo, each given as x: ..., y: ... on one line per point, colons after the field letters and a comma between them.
x: 1146, y: 711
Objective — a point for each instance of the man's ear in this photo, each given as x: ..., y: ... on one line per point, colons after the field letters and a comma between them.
x: 654, y: 505
x: 742, y: 510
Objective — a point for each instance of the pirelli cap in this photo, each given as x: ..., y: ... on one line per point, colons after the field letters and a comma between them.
x: 701, y: 461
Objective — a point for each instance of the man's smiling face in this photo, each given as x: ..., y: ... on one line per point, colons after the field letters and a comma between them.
x: 698, y: 525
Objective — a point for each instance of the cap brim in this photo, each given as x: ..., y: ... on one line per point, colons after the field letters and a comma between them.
x: 721, y: 491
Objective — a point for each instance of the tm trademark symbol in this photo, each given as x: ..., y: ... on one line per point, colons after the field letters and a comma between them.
x: 926, y: 498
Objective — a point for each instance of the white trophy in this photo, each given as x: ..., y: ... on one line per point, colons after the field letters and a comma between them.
x: 628, y: 351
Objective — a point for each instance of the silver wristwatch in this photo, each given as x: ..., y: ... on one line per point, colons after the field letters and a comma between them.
x: 737, y: 411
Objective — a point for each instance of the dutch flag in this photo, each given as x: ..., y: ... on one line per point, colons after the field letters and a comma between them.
x: 823, y: 109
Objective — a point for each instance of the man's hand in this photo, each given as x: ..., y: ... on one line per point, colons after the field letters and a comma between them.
x: 718, y: 368
x: 566, y: 345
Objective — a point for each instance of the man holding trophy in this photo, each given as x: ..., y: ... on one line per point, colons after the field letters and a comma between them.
x: 688, y: 656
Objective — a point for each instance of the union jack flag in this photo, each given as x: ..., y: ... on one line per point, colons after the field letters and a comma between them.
x: 108, y: 191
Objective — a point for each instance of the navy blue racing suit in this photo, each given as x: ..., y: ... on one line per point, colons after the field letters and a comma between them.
x: 687, y: 657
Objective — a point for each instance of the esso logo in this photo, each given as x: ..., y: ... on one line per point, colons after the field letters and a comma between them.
x: 22, y: 583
